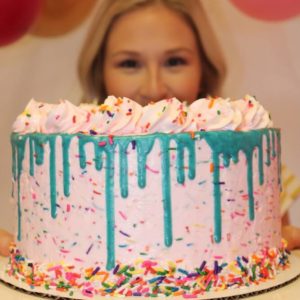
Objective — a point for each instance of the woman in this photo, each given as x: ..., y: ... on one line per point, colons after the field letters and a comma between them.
x: 151, y: 49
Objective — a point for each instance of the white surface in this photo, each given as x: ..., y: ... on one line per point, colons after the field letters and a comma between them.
x: 289, y: 291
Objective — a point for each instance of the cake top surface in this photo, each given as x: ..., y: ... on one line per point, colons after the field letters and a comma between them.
x: 123, y: 116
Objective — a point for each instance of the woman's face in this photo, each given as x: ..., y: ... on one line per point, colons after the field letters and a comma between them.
x: 152, y: 54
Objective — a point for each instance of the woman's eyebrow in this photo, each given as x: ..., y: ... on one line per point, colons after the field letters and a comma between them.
x: 134, y: 53
x: 180, y: 49
x: 125, y: 52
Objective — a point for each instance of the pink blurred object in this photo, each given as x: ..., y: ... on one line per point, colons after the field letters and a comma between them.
x: 16, y: 18
x: 269, y: 10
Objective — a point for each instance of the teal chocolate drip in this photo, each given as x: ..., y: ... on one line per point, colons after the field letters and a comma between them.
x: 279, y: 156
x: 228, y: 144
x: 19, y: 142
x: 66, y: 140
x: 52, y: 172
x: 183, y: 141
x: 180, y: 162
x: 36, y: 144
x: 217, y: 197
x: 190, y: 144
x: 101, y: 144
x: 14, y: 155
x: 249, y: 157
x: 226, y: 160
x: 98, y: 157
x: 260, y: 163
x: 98, y: 149
x: 110, y: 207
x: 144, y: 146
x: 31, y: 156
x: 82, y: 140
x: 123, y: 145
x: 39, y: 141
x: 273, y: 143
x: 268, y: 160
x: 166, y: 188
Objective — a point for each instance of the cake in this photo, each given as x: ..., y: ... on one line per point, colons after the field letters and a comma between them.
x: 167, y: 199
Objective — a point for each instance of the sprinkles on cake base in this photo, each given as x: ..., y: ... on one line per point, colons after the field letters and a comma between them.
x: 148, y: 278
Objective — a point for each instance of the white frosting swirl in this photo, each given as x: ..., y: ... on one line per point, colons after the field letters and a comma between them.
x: 254, y: 114
x: 32, y: 119
x: 122, y: 116
x: 94, y: 118
x: 66, y: 117
x: 114, y: 116
x: 169, y: 116
x: 214, y: 114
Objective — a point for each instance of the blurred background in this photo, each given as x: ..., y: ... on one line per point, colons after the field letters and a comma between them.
x: 40, y: 41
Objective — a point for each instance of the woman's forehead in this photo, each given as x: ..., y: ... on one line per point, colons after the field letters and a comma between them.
x: 138, y: 28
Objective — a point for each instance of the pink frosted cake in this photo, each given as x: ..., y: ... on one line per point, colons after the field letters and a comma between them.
x: 166, y: 199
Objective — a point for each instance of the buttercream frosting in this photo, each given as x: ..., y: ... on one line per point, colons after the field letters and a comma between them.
x: 123, y: 116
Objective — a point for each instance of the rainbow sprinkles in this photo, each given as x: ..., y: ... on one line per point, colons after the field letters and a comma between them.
x: 146, y: 278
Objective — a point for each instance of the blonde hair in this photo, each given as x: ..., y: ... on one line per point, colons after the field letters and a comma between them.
x: 92, y: 55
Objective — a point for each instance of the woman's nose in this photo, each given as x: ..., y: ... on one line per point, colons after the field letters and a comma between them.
x: 153, y: 87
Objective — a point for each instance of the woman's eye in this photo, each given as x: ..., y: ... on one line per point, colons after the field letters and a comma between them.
x: 175, y: 62
x: 129, y: 64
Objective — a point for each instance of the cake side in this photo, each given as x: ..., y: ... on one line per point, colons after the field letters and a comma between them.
x: 158, y: 198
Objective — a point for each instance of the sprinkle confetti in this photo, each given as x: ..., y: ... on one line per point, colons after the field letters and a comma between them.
x: 149, y: 279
